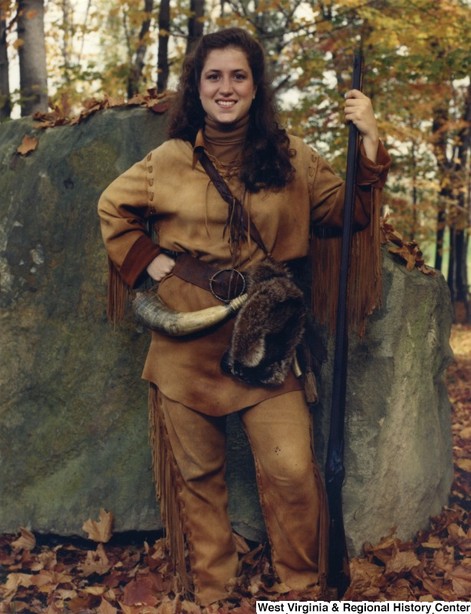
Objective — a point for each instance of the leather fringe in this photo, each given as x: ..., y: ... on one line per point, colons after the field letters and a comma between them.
x: 167, y: 481
x: 118, y: 295
x: 365, y: 274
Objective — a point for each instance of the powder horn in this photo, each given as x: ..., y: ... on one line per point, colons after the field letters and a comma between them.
x: 151, y: 311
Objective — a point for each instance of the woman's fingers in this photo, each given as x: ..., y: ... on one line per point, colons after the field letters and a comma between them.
x: 161, y: 266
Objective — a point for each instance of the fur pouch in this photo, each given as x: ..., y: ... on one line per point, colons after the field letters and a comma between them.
x: 268, y: 327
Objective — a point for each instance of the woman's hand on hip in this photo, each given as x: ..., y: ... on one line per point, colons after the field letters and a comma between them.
x: 161, y: 266
x: 359, y: 110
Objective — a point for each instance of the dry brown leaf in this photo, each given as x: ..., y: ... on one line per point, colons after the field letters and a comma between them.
x: 98, y: 591
x: 454, y: 530
x: 115, y: 101
x: 444, y: 559
x: 126, y: 609
x: 96, y: 562
x: 44, y: 560
x: 404, y: 253
x: 105, y: 607
x: 189, y: 607
x: 432, y: 542
x: 402, y: 561
x: 409, y: 251
x: 100, y: 530
x: 47, y: 580
x: 365, y: 578
x: 26, y: 540
x: 400, y: 591
x: 28, y: 144
x: 465, y: 433
x: 14, y: 581
x: 464, y: 464
x: 65, y: 594
x: 136, y: 609
x: 166, y: 606
x: 141, y: 592
x: 81, y: 603
x: 465, y: 546
x: 461, y: 587
x: 461, y: 580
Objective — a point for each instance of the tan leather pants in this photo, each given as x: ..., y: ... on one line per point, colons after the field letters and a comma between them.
x: 290, y: 489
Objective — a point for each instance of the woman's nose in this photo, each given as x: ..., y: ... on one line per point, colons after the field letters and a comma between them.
x: 226, y: 85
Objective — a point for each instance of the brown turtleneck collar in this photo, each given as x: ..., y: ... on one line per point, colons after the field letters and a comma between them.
x: 225, y: 141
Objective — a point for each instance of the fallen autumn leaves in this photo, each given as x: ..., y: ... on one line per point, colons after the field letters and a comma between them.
x: 51, y: 576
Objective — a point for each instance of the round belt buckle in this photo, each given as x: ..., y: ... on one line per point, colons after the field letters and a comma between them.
x: 239, y: 275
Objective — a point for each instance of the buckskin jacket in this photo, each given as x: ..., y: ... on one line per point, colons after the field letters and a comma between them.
x: 170, y: 190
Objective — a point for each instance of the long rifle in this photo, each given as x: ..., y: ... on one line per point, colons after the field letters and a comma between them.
x: 338, y: 574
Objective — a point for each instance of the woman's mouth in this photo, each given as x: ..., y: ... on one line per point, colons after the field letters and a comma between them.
x: 226, y: 104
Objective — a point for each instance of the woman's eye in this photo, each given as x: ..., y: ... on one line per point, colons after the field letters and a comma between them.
x: 212, y: 77
x: 240, y: 77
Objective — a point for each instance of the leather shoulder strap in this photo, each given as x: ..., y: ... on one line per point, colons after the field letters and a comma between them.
x: 230, y: 199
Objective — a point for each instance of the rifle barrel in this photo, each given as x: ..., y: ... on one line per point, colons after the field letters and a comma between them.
x: 338, y: 574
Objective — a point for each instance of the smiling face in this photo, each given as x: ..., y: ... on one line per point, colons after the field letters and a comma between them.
x: 226, y: 85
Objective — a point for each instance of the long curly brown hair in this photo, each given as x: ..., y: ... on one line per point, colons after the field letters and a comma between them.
x: 266, y: 160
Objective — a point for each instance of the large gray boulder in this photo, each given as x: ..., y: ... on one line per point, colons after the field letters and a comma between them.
x: 398, y: 456
x: 73, y: 410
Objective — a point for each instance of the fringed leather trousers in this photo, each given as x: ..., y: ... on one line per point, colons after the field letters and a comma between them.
x: 189, y: 461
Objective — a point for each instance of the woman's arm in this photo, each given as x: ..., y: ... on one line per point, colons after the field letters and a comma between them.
x: 359, y: 110
x: 124, y: 209
x: 327, y: 190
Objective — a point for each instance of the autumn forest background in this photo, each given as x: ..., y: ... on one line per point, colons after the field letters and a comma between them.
x: 55, y: 55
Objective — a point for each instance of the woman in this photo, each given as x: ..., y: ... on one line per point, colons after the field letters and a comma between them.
x: 224, y: 112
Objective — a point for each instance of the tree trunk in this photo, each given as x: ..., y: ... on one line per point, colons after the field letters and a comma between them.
x: 440, y: 235
x: 135, y: 75
x: 195, y: 24
x: 5, y: 103
x: 458, y: 271
x: 32, y: 55
x: 67, y: 25
x: 162, y: 52
x: 439, y: 140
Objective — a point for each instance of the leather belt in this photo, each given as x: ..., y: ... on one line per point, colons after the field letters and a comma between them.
x: 224, y: 284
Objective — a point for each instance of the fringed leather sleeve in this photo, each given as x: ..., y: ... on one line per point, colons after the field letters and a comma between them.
x: 124, y: 209
x: 365, y: 273
x: 120, y: 283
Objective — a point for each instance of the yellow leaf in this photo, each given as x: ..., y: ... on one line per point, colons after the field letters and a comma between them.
x: 100, y: 530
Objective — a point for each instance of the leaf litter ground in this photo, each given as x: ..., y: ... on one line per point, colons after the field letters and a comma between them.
x: 131, y: 573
